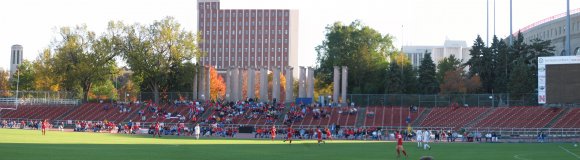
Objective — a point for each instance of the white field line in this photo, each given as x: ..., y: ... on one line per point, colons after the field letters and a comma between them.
x: 571, y: 153
x: 517, y: 156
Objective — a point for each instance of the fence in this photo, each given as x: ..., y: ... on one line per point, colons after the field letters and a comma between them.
x: 38, y: 97
x: 434, y: 100
x: 39, y: 101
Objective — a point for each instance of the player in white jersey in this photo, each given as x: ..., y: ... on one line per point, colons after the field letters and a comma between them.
x: 197, y: 131
x: 419, y: 138
x: 426, y: 137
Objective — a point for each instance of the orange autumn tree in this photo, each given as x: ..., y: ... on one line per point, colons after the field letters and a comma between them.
x: 217, y: 85
x: 455, y: 81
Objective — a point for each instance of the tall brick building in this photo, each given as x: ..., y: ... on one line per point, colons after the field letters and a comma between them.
x: 247, y: 37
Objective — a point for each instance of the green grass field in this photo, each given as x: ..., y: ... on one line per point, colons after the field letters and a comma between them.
x: 18, y: 144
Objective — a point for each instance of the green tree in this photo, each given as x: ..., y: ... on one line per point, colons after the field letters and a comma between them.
x: 520, y: 82
x: 154, y: 51
x: 26, y: 74
x: 104, y: 90
x: 447, y: 64
x: 393, y: 82
x: 83, y: 59
x: 482, y: 63
x: 45, y: 79
x: 428, y: 83
x: 363, y: 49
x: 181, y: 78
x: 4, y: 84
x: 501, y: 50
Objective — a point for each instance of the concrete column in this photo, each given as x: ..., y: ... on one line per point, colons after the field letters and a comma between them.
x: 336, y: 84
x: 251, y: 82
x: 241, y: 83
x: 202, y: 85
x: 234, y: 84
x: 208, y: 83
x: 264, y: 84
x: 276, y: 84
x: 310, y: 83
x: 194, y: 95
x: 302, y: 83
x: 228, y: 84
x: 289, y: 86
x: 344, y: 84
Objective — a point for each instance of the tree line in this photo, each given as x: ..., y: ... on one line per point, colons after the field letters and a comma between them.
x: 377, y: 67
x: 159, y: 56
x: 80, y: 61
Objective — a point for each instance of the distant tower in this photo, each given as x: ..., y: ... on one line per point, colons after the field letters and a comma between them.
x: 15, y: 58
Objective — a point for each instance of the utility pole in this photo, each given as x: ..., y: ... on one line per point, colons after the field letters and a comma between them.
x: 511, y: 32
x: 568, y: 49
x: 487, y: 23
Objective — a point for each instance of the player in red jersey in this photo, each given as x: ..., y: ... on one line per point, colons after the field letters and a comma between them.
x: 44, y: 124
x: 290, y: 134
x: 328, y: 133
x: 400, y: 148
x: 319, y: 136
x: 273, y: 132
x: 157, y: 130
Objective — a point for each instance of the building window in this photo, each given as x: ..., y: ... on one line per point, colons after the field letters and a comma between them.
x: 272, y: 59
x: 279, y: 59
x: 285, y: 14
x: 286, y: 41
x: 285, y: 50
x: 286, y: 31
x: 219, y: 58
x: 286, y: 22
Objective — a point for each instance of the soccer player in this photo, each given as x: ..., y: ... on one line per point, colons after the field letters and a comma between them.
x: 157, y: 130
x: 319, y: 136
x: 273, y: 132
x: 426, y: 137
x: 419, y: 138
x: 328, y: 133
x: 44, y: 124
x: 400, y: 148
x: 197, y: 131
x: 289, y: 134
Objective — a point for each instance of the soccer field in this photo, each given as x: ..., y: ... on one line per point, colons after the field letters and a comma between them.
x: 18, y: 144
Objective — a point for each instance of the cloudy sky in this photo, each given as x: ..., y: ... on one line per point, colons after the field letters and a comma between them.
x: 33, y: 23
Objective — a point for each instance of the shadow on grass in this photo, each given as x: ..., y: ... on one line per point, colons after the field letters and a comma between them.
x: 192, y: 151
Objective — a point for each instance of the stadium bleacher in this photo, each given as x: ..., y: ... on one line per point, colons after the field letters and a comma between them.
x: 374, y: 116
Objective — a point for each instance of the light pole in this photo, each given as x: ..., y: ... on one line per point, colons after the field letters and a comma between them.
x: 17, y: 84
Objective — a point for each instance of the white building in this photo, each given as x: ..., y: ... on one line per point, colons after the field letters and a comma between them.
x: 15, y: 57
x: 459, y: 49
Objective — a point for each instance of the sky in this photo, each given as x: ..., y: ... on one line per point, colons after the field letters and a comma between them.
x: 34, y: 23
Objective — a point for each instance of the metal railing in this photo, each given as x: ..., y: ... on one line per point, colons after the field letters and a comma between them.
x: 39, y: 101
x: 435, y: 100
